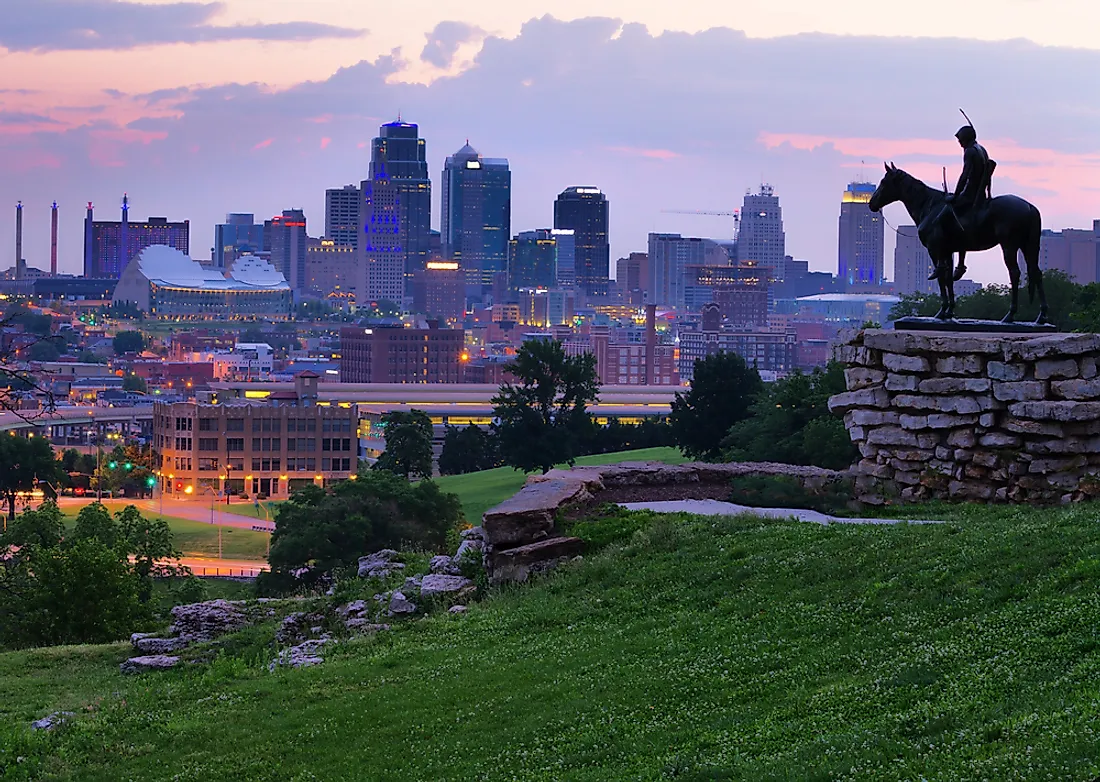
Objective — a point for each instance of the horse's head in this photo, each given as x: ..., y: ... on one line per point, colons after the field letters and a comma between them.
x: 888, y: 190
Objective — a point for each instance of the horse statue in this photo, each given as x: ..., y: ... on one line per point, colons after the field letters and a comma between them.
x: 1007, y: 221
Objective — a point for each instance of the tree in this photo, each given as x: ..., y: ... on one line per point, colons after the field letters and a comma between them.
x: 324, y: 530
x: 134, y: 382
x: 128, y: 342
x: 544, y: 420
x: 27, y: 463
x: 722, y: 389
x: 92, y: 585
x: 46, y: 349
x: 469, y: 449
x: 408, y: 444
x: 790, y: 423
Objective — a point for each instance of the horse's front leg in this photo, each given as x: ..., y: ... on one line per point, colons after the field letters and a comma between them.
x: 943, y: 269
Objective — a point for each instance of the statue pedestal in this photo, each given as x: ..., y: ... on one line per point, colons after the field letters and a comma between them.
x: 968, y: 325
x: 973, y: 416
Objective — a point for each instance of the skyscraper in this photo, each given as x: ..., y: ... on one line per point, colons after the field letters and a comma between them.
x: 395, y: 214
x: 476, y: 218
x: 238, y: 235
x: 761, y: 239
x: 861, y: 239
x: 533, y: 260
x: 109, y: 245
x: 285, y: 237
x: 912, y: 264
x: 670, y: 256
x: 585, y: 210
x: 342, y: 215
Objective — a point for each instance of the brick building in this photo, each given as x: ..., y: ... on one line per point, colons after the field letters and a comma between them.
x: 401, y: 355
x: 268, y: 448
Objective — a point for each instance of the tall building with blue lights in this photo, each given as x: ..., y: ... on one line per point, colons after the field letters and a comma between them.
x: 476, y: 218
x: 395, y: 214
x: 861, y: 239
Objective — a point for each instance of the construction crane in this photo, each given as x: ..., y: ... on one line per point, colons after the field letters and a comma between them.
x: 735, y: 214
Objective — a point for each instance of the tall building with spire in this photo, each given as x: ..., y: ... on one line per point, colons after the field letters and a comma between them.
x: 761, y: 239
x: 476, y: 218
x: 395, y: 214
x: 860, y: 255
x: 584, y: 210
x: 109, y: 246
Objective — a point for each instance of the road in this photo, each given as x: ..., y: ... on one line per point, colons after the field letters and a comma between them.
x: 193, y: 511
x: 204, y: 566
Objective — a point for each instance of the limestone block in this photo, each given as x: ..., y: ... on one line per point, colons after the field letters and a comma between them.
x: 1055, y: 367
x: 917, y: 455
x: 1088, y: 367
x: 852, y: 355
x: 962, y: 456
x: 1055, y: 411
x: 891, y: 435
x: 1020, y: 391
x: 931, y: 342
x: 985, y: 459
x: 937, y: 421
x: 857, y: 378
x: 857, y: 433
x: 963, y: 405
x: 961, y: 438
x: 955, y: 385
x: 943, y: 453
x: 528, y: 516
x: 969, y: 490
x: 868, y: 397
x: 988, y: 420
x: 907, y: 478
x: 1000, y: 440
x: 895, y: 382
x: 870, y: 417
x: 1031, y: 427
x: 904, y: 466
x: 1065, y: 445
x: 1076, y: 389
x: 899, y: 363
x: 975, y: 472
x: 867, y: 451
x: 873, y: 470
x: 1044, y: 466
x: 1047, y: 345
x: 1009, y: 373
x: 518, y: 564
x: 928, y: 440
x: 959, y: 365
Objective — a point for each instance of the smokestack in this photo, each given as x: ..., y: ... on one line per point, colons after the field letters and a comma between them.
x: 53, y: 240
x: 19, y: 241
x: 651, y: 344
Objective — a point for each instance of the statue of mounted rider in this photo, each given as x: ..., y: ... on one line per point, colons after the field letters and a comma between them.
x: 969, y: 220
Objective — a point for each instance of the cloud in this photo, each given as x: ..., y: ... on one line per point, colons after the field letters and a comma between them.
x: 445, y: 40
x: 669, y: 121
x: 78, y: 25
x: 23, y: 118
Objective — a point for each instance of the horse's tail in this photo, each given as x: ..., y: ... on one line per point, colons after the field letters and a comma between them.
x: 1031, y: 253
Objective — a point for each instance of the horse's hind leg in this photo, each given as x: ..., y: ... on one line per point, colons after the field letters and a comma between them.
x: 1013, y: 265
x: 1035, y: 279
x: 947, y: 298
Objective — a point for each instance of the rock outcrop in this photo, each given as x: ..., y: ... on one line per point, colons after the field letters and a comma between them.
x: 380, y: 564
x: 152, y: 662
x: 982, y: 417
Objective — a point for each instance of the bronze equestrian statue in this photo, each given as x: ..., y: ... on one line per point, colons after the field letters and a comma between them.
x: 969, y: 220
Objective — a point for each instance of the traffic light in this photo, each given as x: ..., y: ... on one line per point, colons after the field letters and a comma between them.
x: 112, y: 465
x: 128, y: 466
x: 150, y: 481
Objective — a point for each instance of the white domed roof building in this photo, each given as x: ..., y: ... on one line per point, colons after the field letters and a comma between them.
x: 166, y: 284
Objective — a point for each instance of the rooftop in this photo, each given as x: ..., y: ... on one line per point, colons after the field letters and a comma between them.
x: 168, y: 267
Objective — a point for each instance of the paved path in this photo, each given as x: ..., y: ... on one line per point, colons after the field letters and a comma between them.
x: 243, y: 568
x: 717, y: 508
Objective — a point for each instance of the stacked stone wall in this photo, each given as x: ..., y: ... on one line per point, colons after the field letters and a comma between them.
x: 991, y: 417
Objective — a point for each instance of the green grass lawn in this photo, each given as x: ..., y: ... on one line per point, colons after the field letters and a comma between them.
x: 699, y: 649
x: 480, y: 491
x: 198, y: 539
x: 250, y: 510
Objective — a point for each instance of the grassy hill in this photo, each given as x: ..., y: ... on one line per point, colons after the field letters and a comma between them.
x: 483, y: 490
x: 697, y: 649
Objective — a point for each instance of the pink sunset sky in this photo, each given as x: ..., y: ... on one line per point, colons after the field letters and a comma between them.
x: 201, y: 108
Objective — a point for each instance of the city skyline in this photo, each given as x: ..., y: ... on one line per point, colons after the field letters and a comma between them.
x: 796, y: 125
